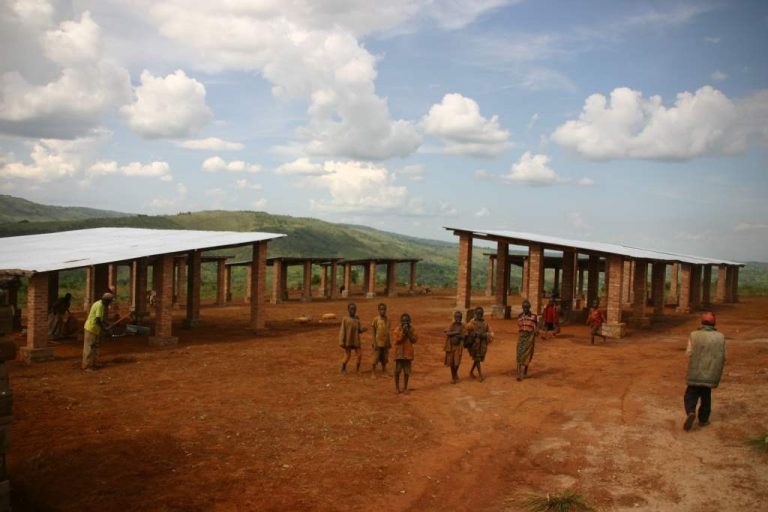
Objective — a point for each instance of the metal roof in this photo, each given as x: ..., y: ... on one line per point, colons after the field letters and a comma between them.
x: 521, y: 238
x: 85, y: 247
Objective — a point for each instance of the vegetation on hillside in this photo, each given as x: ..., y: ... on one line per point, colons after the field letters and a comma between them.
x: 15, y: 209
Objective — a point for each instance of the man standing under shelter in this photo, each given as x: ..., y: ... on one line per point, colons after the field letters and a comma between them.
x: 95, y: 327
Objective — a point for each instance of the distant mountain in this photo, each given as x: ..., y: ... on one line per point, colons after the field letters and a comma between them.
x: 15, y: 209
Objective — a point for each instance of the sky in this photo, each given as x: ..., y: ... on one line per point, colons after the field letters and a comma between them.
x: 643, y: 123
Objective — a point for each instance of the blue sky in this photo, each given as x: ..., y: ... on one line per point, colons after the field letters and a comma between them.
x: 642, y: 123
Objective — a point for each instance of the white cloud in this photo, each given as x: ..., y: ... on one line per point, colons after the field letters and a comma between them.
x: 575, y: 219
x: 259, y: 204
x: 585, y: 182
x: 169, y: 107
x: 446, y: 209
x: 170, y: 203
x: 52, y: 159
x: 243, y: 184
x: 302, y: 166
x: 211, y: 144
x: 532, y: 122
x: 216, y: 164
x: 532, y: 170
x: 84, y: 86
x: 153, y: 170
x: 413, y: 172
x: 103, y: 168
x: 718, y: 76
x: 630, y: 126
x: 482, y: 212
x: 458, y: 122
x: 749, y: 226
x: 361, y: 187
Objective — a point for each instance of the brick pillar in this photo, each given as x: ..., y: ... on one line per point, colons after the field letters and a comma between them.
x: 36, y: 348
x: 526, y: 278
x: 163, y: 281
x: 626, y: 286
x: 464, y: 276
x: 556, y: 282
x: 580, y: 285
x: 674, y: 289
x: 131, y: 291
x: 684, y: 297
x: 306, y: 287
x: 412, y: 279
x: 695, y: 287
x: 194, y: 277
x: 88, y: 291
x: 735, y: 284
x: 324, y: 281
x: 490, y: 277
x: 277, y: 282
x: 613, y: 326
x: 706, y: 284
x: 283, y: 280
x: 258, y: 278
x: 112, y: 278
x: 333, y: 289
x: 366, y: 278
x: 221, y: 278
x: 181, y: 281
x: 658, y: 279
x: 347, y: 280
x: 535, y: 276
x: 140, y: 289
x: 593, y: 279
x: 371, y: 288
x: 499, y: 308
x: 53, y: 288
x: 639, y: 282
x: 247, y: 297
x: 227, y: 283
x: 392, y: 279
x: 721, y: 282
x: 569, y: 274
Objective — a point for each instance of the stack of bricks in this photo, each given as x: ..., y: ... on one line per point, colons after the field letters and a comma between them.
x: 7, y: 352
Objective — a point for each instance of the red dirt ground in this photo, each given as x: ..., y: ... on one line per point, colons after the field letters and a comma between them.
x: 231, y: 421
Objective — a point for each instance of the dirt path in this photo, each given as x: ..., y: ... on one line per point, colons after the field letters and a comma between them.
x: 229, y: 421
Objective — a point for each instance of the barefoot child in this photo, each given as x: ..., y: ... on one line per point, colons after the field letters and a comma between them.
x: 479, y: 335
x: 454, y: 345
x: 380, y: 342
x: 349, y: 336
x: 595, y: 321
x: 404, y: 337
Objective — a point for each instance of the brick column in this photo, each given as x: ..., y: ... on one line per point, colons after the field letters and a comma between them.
x: 347, y: 280
x: 392, y: 279
x: 695, y: 301
x: 658, y: 279
x: 613, y: 326
x: 464, y: 276
x: 706, y: 284
x: 163, y: 281
x: 306, y: 287
x: 535, y: 276
x: 36, y: 348
x: 728, y: 284
x: 412, y: 280
x: 334, y: 290
x: 684, y: 298
x: 556, y: 282
x: 626, y: 286
x: 721, y: 282
x: 88, y: 291
x: 499, y: 308
x: 674, y: 290
x: 247, y: 297
x: 580, y: 285
x: 194, y: 277
x: 367, y: 278
x: 639, y: 282
x: 53, y: 288
x: 593, y: 279
x: 140, y: 289
x: 283, y: 280
x: 227, y: 283
x: 569, y: 274
x: 131, y: 291
x: 735, y: 284
x: 371, y: 289
x: 112, y: 278
x: 7, y: 352
x: 490, y: 277
x: 181, y: 281
x: 258, y: 278
x: 221, y: 278
x: 324, y: 281
x: 277, y: 282
x: 526, y: 278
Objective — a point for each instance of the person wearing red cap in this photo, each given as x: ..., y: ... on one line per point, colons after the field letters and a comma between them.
x: 706, y: 359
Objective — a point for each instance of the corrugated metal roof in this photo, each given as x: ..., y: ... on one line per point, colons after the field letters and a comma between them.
x: 85, y: 247
x: 601, y: 247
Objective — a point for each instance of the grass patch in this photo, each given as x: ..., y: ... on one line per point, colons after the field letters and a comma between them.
x: 568, y: 501
x: 759, y: 442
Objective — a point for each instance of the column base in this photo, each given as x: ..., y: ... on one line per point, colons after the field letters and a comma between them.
x: 306, y: 299
x: 501, y: 311
x: 163, y: 341
x: 35, y: 355
x: 370, y: 295
x: 684, y: 310
x: 392, y: 294
x: 190, y: 324
x: 345, y: 294
x: 640, y: 322
x: 614, y: 329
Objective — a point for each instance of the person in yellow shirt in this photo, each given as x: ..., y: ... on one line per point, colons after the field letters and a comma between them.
x: 95, y: 326
x: 380, y: 342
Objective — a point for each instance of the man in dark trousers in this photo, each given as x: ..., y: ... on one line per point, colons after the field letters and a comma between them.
x: 706, y: 359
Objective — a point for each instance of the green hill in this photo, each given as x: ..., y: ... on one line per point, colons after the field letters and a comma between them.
x: 15, y: 209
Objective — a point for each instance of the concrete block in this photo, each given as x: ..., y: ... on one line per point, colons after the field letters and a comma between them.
x: 614, y: 329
